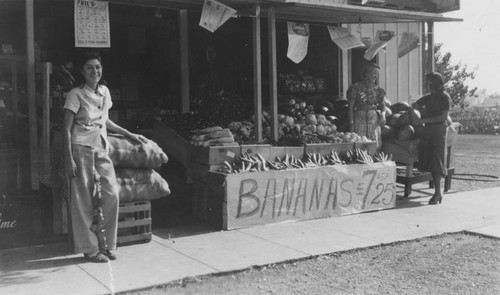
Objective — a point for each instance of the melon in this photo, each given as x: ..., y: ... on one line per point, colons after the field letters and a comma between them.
x: 393, y: 119
x: 387, y: 132
x: 419, y: 131
x: 399, y: 107
x: 406, y: 132
x: 388, y: 112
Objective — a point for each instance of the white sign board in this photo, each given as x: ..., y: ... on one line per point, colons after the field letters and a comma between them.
x: 92, y: 24
x: 379, y: 43
x: 214, y: 15
x: 343, y: 38
x: 408, y: 42
x: 278, y: 196
x: 298, y: 41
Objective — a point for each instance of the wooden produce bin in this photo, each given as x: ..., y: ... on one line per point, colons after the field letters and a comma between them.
x: 280, y: 151
x: 406, y: 153
x: 248, y: 199
x: 174, y: 145
x: 203, y: 160
x: 369, y: 146
x: 324, y: 149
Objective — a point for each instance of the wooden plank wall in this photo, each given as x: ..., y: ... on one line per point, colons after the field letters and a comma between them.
x: 400, y: 77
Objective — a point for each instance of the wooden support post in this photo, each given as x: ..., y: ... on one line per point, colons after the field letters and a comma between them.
x: 14, y: 103
x: 257, y: 75
x: 430, y: 48
x: 47, y: 70
x: 30, y: 73
x: 184, y: 60
x: 273, y: 76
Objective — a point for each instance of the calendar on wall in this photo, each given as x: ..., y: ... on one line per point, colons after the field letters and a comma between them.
x: 92, y: 24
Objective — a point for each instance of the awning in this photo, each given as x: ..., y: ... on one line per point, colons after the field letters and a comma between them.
x: 321, y: 11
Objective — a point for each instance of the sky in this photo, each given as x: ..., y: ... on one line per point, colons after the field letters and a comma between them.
x: 474, y: 42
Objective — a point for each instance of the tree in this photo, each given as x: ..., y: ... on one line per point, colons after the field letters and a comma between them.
x: 454, y: 77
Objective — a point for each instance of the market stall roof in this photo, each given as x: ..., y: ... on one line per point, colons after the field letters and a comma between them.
x: 328, y: 11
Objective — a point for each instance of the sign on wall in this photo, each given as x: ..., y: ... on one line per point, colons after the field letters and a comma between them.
x: 92, y: 24
x: 215, y: 14
x: 278, y: 196
x: 298, y: 41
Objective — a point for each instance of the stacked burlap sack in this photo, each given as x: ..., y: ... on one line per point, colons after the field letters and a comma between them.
x: 134, y: 163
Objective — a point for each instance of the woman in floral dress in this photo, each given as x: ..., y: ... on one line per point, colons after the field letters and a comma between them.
x: 366, y: 99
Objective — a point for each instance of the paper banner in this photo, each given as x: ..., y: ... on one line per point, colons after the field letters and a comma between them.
x: 215, y: 14
x: 92, y: 24
x: 298, y: 40
x: 380, y: 41
x: 343, y: 38
x: 408, y: 42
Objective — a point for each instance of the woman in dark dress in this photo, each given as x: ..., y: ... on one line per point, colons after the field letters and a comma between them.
x: 434, y: 108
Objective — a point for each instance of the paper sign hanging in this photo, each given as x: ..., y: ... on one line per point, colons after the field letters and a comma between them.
x: 343, y: 38
x: 380, y: 41
x: 215, y: 14
x: 408, y: 42
x: 92, y: 24
x: 298, y: 41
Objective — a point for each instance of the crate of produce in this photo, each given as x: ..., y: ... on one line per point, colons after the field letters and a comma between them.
x: 369, y: 146
x: 263, y: 149
x: 325, y: 148
x: 214, y: 155
x: 134, y: 222
x: 280, y: 151
x: 256, y: 198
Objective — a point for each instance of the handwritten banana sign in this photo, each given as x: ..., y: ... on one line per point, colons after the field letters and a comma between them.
x: 278, y: 196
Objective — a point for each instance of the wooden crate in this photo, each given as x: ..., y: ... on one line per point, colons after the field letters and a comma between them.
x: 280, y: 151
x: 258, y: 198
x: 325, y: 148
x: 263, y: 149
x: 134, y: 222
x: 173, y: 144
x: 369, y: 146
x: 214, y: 155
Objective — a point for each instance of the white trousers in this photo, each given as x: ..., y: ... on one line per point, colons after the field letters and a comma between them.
x: 90, y: 161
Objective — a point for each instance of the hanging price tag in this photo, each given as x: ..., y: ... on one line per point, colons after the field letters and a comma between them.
x: 298, y: 40
x: 408, y: 42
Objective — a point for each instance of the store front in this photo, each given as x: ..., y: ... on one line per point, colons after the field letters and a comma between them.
x: 162, y: 66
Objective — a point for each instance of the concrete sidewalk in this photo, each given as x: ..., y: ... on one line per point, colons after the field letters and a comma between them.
x: 52, y: 269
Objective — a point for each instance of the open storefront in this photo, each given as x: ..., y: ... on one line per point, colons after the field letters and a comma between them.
x: 163, y: 68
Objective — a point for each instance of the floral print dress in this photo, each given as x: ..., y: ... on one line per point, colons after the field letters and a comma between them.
x: 366, y: 101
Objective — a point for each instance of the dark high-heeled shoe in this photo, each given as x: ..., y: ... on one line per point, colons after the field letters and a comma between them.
x: 435, y: 200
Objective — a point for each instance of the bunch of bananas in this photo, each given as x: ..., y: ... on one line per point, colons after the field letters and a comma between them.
x: 358, y: 156
x: 382, y: 157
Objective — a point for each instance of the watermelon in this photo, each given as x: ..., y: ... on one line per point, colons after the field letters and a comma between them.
x: 419, y: 131
x: 393, y: 119
x: 387, y: 132
x: 388, y: 112
x: 409, y: 117
x: 399, y: 106
x: 406, y: 132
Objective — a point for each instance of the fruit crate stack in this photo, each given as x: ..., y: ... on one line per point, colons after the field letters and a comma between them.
x: 134, y: 222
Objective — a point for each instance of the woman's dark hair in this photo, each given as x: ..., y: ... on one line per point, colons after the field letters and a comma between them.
x: 436, y: 81
x: 82, y: 58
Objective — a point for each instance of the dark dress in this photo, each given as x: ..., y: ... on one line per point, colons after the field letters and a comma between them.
x: 432, y: 150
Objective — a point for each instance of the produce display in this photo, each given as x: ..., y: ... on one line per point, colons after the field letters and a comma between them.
x: 212, y: 136
x: 255, y: 162
x: 301, y: 82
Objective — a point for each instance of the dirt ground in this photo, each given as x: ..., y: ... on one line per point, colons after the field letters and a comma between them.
x: 447, y: 264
